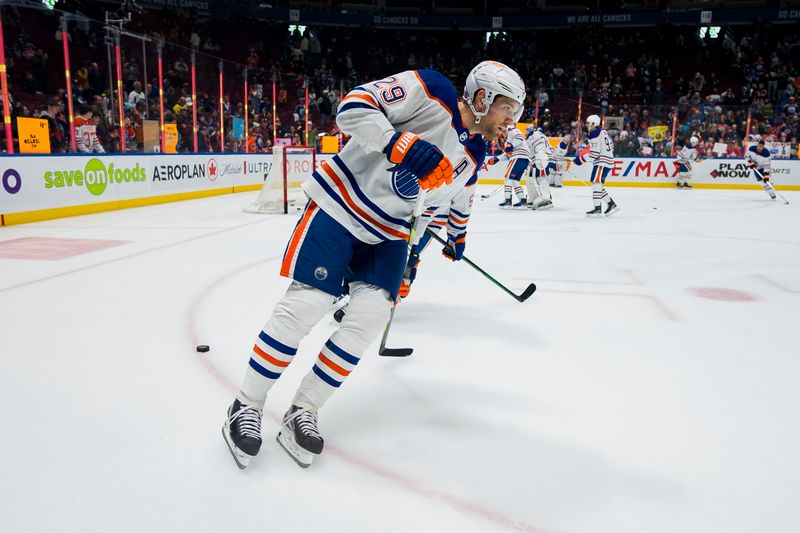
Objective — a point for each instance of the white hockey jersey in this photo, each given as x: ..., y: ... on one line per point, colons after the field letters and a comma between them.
x: 687, y: 156
x: 601, y: 149
x: 359, y: 187
x: 455, y: 216
x: 559, y: 152
x: 539, y: 148
x: 519, y: 148
x: 762, y: 159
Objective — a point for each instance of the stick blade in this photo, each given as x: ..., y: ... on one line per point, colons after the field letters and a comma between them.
x: 395, y: 352
x: 527, y: 293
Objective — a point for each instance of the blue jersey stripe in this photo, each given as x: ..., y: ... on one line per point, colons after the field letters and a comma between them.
x: 327, y: 188
x: 263, y: 371
x: 356, y: 105
x: 288, y: 350
x: 361, y: 196
x: 352, y: 359
x: 325, y: 377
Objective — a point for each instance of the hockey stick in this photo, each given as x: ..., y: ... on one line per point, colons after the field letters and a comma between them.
x: 419, y: 207
x: 524, y: 295
x: 487, y: 196
x: 576, y: 177
x: 785, y: 201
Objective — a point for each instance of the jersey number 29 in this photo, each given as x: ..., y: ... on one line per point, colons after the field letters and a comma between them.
x: 390, y: 90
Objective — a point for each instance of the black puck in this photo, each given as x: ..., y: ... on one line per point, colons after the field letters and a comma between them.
x: 203, y: 348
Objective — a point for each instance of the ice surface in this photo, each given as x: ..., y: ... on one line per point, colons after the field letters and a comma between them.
x: 650, y: 385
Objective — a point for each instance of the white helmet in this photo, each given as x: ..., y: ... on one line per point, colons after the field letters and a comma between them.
x: 495, y: 78
x: 592, y: 121
x: 693, y: 140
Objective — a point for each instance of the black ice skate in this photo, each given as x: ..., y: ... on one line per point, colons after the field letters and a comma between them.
x: 242, y: 432
x: 679, y: 185
x: 686, y: 185
x: 597, y: 212
x: 506, y: 204
x: 521, y: 204
x: 299, y: 435
x: 613, y: 208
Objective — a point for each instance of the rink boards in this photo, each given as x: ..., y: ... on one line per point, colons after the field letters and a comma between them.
x: 44, y: 187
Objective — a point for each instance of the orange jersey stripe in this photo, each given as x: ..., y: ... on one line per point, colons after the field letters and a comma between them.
x: 333, y: 366
x: 459, y: 221
x: 286, y: 266
x: 365, y: 97
x: 346, y: 197
x: 267, y: 357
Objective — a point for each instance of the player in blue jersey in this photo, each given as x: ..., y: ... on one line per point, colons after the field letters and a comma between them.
x: 601, y: 155
x: 408, y: 131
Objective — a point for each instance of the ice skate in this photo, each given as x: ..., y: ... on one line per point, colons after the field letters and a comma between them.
x: 242, y: 432
x: 521, y: 204
x: 611, y: 208
x: 506, y: 204
x: 597, y: 212
x: 299, y: 435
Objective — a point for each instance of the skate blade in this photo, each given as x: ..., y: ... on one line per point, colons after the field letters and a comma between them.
x: 616, y: 208
x: 594, y: 215
x: 241, y: 458
x: 506, y: 207
x: 298, y: 455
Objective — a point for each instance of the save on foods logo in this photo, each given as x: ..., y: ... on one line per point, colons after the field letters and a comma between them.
x: 95, y: 176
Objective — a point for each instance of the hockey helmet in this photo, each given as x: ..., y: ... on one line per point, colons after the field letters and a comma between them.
x: 693, y: 141
x: 592, y: 121
x: 496, y: 79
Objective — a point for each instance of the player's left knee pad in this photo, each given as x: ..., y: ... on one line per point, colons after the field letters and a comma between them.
x: 367, y: 314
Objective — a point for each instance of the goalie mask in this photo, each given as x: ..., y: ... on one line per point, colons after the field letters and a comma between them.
x: 496, y: 79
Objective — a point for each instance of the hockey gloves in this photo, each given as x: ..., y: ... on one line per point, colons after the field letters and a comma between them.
x: 578, y: 161
x: 492, y: 160
x: 454, y: 250
x: 421, y: 158
x: 409, y: 275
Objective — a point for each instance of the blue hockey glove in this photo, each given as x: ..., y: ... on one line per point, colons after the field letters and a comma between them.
x: 454, y: 250
x: 421, y: 158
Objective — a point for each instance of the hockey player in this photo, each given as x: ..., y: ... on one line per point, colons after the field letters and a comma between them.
x: 686, y: 158
x: 357, y: 219
x: 601, y: 154
x: 558, y: 161
x: 519, y: 157
x: 759, y: 159
x: 539, y: 196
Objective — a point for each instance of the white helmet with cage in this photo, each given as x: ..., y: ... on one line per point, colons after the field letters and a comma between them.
x: 496, y: 79
x: 592, y: 121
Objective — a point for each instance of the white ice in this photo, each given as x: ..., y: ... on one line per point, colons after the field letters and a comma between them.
x: 624, y: 396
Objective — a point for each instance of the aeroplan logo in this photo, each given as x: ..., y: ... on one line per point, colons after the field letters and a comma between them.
x: 95, y: 176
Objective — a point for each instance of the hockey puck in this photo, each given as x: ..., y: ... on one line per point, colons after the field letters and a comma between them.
x: 203, y: 348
